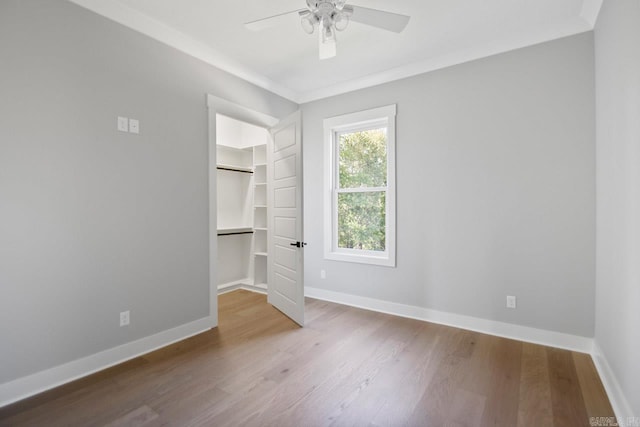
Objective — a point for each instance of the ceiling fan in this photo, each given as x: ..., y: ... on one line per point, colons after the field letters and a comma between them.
x: 331, y: 16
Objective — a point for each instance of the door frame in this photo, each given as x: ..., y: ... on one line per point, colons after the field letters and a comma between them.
x: 217, y: 105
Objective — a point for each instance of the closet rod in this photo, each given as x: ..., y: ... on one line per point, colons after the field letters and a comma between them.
x: 234, y: 233
x: 224, y: 168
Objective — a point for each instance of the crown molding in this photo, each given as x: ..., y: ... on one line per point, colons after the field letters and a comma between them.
x: 447, y: 60
x: 155, y: 29
x: 590, y: 11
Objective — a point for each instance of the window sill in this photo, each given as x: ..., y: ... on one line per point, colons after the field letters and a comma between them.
x: 382, y: 260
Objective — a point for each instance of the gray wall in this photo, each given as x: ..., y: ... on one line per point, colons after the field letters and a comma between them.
x: 617, y: 59
x: 495, y: 186
x: 495, y: 189
x: 93, y: 221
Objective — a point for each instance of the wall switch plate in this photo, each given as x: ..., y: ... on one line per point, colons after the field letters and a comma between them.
x: 123, y: 124
x: 124, y: 318
x: 511, y: 301
x: 134, y: 126
x: 323, y: 274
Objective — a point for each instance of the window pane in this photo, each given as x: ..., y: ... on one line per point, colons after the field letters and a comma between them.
x: 363, y: 158
x: 361, y: 221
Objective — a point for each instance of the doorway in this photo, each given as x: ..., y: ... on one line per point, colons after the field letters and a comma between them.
x: 263, y: 178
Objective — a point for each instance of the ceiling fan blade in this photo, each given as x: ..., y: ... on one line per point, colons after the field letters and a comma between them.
x: 378, y: 18
x: 274, y: 21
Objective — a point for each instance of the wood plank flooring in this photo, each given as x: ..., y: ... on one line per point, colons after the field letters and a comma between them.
x: 347, y: 367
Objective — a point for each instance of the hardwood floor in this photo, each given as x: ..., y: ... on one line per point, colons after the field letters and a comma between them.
x: 347, y: 367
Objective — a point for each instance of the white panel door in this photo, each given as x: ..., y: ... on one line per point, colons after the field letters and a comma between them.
x: 286, y: 247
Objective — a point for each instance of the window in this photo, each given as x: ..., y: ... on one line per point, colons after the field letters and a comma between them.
x: 360, y: 187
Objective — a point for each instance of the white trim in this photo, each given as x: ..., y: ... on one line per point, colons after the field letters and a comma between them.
x: 258, y: 289
x: 213, y: 213
x: 30, y: 385
x: 231, y: 286
x: 619, y: 402
x: 217, y: 105
x: 361, y: 190
x: 239, y: 112
x: 590, y: 11
x: 246, y: 284
x: 155, y: 29
x: 361, y: 257
x: 485, y: 326
x: 361, y: 120
x: 443, y: 61
x: 361, y: 117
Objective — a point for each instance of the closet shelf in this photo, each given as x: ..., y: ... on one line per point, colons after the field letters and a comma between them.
x: 260, y: 253
x: 234, y: 168
x: 232, y: 231
x: 260, y: 164
x: 260, y: 228
x: 259, y: 206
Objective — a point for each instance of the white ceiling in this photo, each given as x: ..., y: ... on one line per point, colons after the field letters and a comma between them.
x: 285, y: 59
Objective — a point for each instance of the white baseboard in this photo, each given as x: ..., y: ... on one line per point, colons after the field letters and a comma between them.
x: 228, y: 289
x: 231, y: 286
x: 259, y: 288
x: 246, y: 284
x: 619, y: 402
x: 491, y: 327
x: 30, y: 385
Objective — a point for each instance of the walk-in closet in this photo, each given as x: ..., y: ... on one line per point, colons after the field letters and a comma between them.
x: 241, y: 204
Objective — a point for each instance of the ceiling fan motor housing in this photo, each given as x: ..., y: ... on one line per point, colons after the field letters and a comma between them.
x: 328, y: 13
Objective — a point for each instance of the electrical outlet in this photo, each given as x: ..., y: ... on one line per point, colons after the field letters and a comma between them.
x: 511, y: 301
x: 134, y: 126
x: 323, y: 274
x: 124, y: 318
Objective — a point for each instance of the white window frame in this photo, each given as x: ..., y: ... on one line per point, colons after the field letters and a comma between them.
x: 361, y: 120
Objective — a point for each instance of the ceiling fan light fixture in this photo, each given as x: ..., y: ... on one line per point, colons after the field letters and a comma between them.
x: 328, y: 34
x: 331, y: 16
x: 341, y: 21
x: 327, y: 45
x: 308, y: 22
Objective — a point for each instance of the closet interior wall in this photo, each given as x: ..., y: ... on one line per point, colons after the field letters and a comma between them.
x: 242, y: 205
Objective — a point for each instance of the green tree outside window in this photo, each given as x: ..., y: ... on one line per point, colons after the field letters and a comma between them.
x: 363, y: 173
